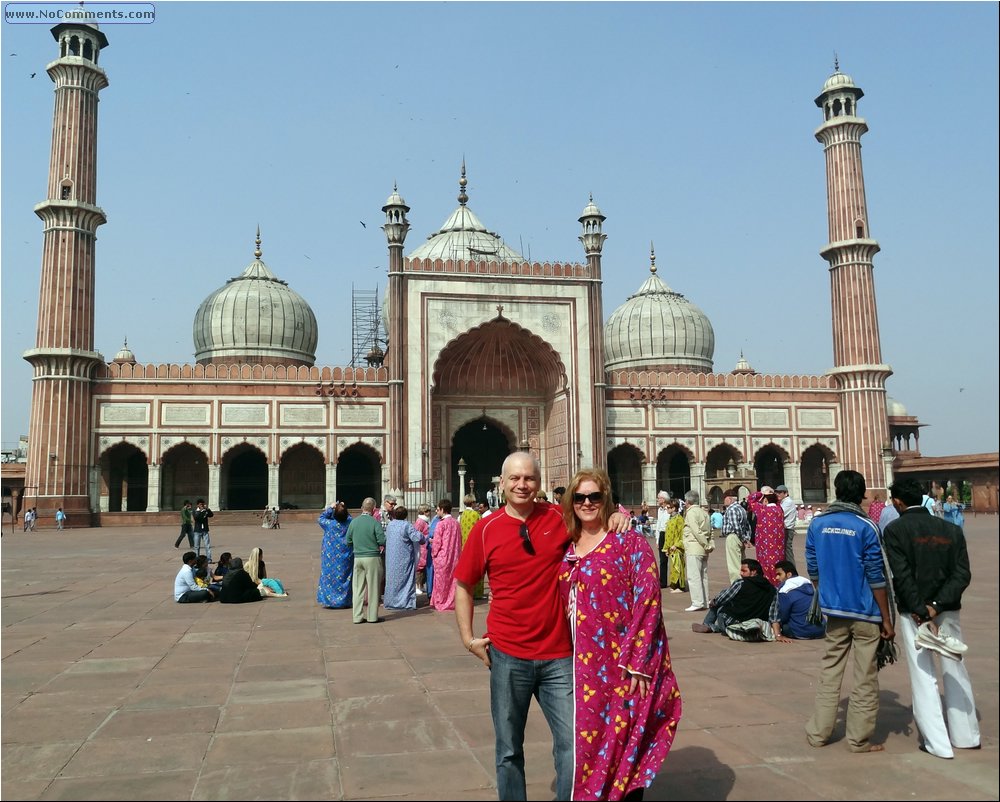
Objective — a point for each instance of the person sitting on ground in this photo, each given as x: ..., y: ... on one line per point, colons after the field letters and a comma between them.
x: 795, y: 596
x: 237, y: 586
x: 219, y: 572
x: 201, y: 570
x: 272, y: 588
x: 749, y: 597
x: 186, y: 590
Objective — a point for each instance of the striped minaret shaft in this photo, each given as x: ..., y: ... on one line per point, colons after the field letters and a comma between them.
x: 593, y: 238
x: 59, y: 447
x: 857, y: 353
x: 395, y: 228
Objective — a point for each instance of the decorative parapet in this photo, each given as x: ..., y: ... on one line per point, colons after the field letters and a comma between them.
x: 243, y: 373
x: 512, y: 269
x: 648, y: 384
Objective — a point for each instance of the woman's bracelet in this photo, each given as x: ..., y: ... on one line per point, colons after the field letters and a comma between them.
x: 468, y: 646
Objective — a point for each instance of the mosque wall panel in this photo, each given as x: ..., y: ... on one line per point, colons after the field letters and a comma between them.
x: 768, y: 418
x: 366, y: 415
x: 726, y: 418
x: 301, y: 414
x: 816, y: 418
x: 674, y: 417
x: 246, y: 414
x: 625, y: 417
x: 124, y: 414
x: 172, y: 414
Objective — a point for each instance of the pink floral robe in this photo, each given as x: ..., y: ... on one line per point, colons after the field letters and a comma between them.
x: 446, y: 548
x: 612, y: 596
x: 769, y: 542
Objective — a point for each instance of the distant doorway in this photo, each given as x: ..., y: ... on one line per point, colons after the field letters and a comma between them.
x: 183, y: 476
x: 126, y: 474
x: 625, y: 471
x: 359, y: 475
x: 673, y: 472
x: 484, y: 447
x: 244, y: 479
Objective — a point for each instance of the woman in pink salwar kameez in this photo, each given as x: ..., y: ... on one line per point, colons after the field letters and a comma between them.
x: 627, y: 704
x: 446, y: 548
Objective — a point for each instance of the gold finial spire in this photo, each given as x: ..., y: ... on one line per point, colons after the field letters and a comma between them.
x: 462, y: 184
x: 257, y: 252
x: 652, y: 258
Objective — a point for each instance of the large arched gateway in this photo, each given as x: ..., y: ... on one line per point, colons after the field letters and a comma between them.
x: 498, y: 388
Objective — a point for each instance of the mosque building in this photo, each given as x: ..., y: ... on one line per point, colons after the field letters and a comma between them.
x: 486, y: 352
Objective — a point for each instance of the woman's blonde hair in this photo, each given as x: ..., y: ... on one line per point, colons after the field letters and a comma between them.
x: 603, y: 482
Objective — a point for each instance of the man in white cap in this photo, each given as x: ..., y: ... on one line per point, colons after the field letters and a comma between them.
x: 791, y: 516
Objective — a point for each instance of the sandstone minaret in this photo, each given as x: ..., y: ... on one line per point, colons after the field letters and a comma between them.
x: 59, y: 444
x: 857, y: 352
x: 395, y: 228
x: 593, y: 237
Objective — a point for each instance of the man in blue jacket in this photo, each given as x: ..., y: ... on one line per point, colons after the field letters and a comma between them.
x: 845, y: 562
x: 795, y: 596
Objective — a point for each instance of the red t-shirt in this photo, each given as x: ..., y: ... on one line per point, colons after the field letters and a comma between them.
x: 526, y: 619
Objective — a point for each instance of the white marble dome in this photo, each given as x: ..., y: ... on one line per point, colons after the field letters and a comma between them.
x: 658, y: 329
x: 255, y: 318
x: 894, y: 409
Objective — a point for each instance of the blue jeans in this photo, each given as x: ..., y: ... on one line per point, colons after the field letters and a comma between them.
x: 203, y: 539
x: 513, y: 682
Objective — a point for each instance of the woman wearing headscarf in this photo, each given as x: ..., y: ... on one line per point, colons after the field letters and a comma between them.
x: 769, y: 539
x: 336, y: 559
x: 258, y: 573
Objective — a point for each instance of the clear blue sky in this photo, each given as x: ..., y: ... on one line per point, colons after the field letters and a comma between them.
x: 691, y: 124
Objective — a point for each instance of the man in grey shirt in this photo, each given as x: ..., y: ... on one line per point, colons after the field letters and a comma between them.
x: 791, y: 516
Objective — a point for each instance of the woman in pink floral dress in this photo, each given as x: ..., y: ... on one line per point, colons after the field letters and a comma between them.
x: 627, y: 704
x: 769, y: 539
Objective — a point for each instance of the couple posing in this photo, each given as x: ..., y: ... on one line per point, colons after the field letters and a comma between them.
x: 575, y: 620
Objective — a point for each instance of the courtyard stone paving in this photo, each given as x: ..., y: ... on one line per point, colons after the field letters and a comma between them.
x: 112, y: 691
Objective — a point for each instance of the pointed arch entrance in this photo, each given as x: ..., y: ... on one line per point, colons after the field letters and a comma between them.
x: 183, y: 476
x: 302, y: 478
x: 496, y: 388
x: 359, y: 475
x: 125, y: 475
x: 625, y: 469
x: 673, y: 471
x: 816, y: 475
x: 244, y: 479
x: 484, y: 446
x: 769, y: 465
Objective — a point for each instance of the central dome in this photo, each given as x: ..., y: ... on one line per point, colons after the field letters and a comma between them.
x: 463, y: 237
x: 255, y: 318
x: 658, y: 329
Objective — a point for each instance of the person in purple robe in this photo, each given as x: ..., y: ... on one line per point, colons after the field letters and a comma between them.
x: 627, y: 701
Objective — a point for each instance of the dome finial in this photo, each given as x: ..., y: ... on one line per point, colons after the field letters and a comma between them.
x: 257, y: 251
x: 836, y: 62
x: 652, y: 258
x: 462, y: 183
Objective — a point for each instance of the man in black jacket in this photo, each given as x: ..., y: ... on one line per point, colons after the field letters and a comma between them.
x: 930, y: 570
x: 750, y: 596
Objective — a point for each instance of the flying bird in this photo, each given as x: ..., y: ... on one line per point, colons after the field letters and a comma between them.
x: 307, y: 256
x: 34, y: 74
x: 362, y: 223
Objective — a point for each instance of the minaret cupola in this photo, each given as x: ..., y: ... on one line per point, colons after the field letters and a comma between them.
x: 593, y: 236
x: 396, y: 225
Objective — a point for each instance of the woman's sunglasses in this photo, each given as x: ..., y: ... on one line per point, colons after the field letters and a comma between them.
x: 593, y: 498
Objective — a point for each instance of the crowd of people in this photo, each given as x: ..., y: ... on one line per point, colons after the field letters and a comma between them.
x: 575, y: 614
